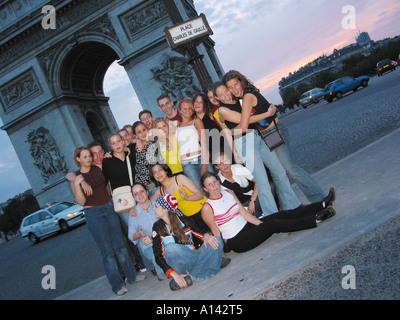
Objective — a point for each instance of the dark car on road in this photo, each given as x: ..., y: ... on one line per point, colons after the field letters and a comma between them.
x: 337, y: 88
x: 385, y: 65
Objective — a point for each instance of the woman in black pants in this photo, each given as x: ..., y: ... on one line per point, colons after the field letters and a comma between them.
x: 242, y: 231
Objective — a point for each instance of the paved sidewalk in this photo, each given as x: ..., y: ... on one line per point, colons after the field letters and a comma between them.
x: 368, y: 197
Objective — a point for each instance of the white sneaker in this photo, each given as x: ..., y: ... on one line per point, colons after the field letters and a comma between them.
x: 140, y: 277
x: 122, y: 291
x: 143, y: 270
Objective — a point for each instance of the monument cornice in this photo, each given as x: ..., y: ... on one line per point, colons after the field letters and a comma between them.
x: 68, y: 15
x: 52, y: 104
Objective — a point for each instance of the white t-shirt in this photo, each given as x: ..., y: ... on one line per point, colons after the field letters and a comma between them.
x: 241, y: 175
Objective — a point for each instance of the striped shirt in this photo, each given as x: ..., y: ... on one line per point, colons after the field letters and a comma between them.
x: 226, y: 214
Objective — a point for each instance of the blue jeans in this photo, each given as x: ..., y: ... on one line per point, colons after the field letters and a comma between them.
x: 149, y: 260
x: 255, y: 154
x: 200, y: 264
x: 105, y: 228
x: 306, y: 183
x: 192, y: 170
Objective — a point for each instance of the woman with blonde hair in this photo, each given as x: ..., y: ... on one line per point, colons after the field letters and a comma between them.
x: 192, y: 143
x: 163, y: 129
x: 102, y: 221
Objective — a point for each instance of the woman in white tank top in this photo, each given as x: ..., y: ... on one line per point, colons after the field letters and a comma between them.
x: 192, y: 143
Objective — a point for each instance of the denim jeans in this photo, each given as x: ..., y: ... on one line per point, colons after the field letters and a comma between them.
x: 150, y: 261
x: 192, y: 170
x: 200, y: 264
x: 105, y: 228
x: 255, y: 154
x: 303, y: 179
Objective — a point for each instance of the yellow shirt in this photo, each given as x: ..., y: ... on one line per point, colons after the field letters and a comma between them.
x: 187, y: 207
x: 172, y: 157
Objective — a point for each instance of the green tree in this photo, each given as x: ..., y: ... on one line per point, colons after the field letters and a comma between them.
x: 16, y: 210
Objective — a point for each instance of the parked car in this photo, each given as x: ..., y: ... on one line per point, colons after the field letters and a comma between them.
x: 311, y: 96
x: 385, y: 65
x: 337, y: 88
x: 54, y: 218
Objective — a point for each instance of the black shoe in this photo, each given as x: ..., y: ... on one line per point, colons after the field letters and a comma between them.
x: 175, y: 287
x: 225, y: 262
x: 330, y: 197
x: 326, y: 213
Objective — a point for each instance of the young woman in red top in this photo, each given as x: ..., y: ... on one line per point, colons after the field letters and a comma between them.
x: 102, y: 221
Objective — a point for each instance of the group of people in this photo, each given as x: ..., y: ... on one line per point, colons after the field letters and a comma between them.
x: 199, y: 177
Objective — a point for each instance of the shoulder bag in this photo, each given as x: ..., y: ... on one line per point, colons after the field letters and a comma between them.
x: 272, y: 137
x: 122, y: 197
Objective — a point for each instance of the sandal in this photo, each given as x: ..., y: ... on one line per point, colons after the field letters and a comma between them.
x: 174, y: 286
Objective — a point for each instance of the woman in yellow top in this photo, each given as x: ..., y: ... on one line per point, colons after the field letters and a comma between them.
x: 190, y: 198
x: 168, y: 144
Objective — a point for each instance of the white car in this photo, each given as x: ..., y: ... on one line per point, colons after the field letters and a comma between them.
x: 310, y: 97
x: 57, y: 217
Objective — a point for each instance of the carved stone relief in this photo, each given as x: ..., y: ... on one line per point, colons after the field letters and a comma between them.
x: 45, y: 152
x: 138, y: 20
x: 19, y: 90
x: 175, y: 77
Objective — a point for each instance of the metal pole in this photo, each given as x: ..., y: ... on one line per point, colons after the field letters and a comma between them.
x: 195, y: 58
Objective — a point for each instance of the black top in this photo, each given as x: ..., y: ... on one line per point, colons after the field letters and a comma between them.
x: 238, y: 108
x: 116, y: 171
x: 261, y: 107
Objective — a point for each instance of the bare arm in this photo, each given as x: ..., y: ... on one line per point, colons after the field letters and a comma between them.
x: 208, y: 217
x: 80, y: 197
x: 249, y: 101
x: 203, y: 143
x: 189, y: 184
x: 246, y: 215
x: 87, y: 189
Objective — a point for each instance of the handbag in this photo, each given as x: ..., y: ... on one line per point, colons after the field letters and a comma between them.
x: 122, y: 196
x: 272, y: 137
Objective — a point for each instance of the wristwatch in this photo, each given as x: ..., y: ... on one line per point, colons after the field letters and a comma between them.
x: 251, y: 200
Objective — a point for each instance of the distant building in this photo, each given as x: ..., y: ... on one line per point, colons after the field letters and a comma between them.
x: 331, y: 62
x: 363, y: 38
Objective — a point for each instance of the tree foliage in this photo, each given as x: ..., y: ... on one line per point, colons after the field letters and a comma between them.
x: 355, y: 66
x: 16, y: 210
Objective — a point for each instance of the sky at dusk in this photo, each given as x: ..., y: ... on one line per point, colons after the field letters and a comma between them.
x: 263, y: 39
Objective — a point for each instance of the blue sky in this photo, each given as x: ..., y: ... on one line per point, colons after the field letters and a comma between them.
x: 263, y: 39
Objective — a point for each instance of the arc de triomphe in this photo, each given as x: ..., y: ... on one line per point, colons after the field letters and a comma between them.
x: 51, y: 79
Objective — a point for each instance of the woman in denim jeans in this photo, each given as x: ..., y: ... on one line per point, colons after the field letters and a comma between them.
x: 253, y: 101
x: 183, y: 248
x: 255, y: 154
x: 103, y: 222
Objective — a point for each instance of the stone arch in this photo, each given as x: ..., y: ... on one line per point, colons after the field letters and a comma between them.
x: 53, y: 78
x: 80, y: 76
x: 97, y: 127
